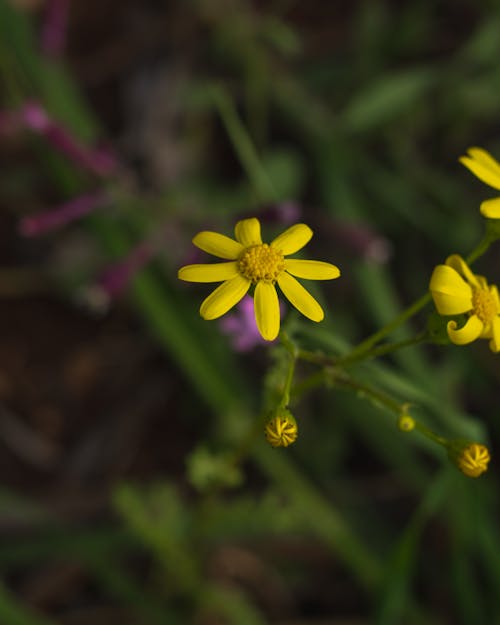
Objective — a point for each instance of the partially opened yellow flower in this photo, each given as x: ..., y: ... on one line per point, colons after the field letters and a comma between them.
x: 455, y: 291
x: 252, y: 262
x: 486, y: 168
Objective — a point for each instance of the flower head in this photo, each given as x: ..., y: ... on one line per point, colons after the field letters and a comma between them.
x: 487, y: 169
x: 252, y: 263
x: 471, y: 458
x: 281, y: 430
x: 455, y: 291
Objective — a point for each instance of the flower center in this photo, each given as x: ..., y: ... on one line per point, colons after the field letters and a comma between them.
x: 261, y: 262
x: 484, y: 305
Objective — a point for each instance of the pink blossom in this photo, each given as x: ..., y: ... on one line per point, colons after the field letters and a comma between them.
x: 48, y: 221
x: 34, y: 117
x: 242, y: 328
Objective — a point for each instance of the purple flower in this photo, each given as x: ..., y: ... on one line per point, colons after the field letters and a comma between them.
x: 36, y: 225
x: 288, y: 212
x: 34, y: 117
x: 359, y: 239
x: 364, y: 241
x: 117, y: 276
x: 242, y: 328
x: 98, y: 161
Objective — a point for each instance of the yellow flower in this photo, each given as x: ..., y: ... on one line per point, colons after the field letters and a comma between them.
x: 487, y: 169
x: 473, y: 460
x: 455, y: 291
x: 252, y: 262
x: 282, y: 430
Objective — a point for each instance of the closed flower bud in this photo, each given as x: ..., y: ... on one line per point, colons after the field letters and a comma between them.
x: 281, y: 430
x: 471, y: 458
x: 406, y: 423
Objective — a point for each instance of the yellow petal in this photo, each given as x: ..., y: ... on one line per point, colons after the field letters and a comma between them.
x: 215, y: 272
x: 224, y: 297
x: 451, y: 294
x: 484, y: 157
x: 495, y: 332
x: 247, y: 232
x: 218, y: 244
x: 311, y: 269
x: 483, y: 166
x: 491, y: 208
x: 468, y: 333
x: 267, y: 310
x: 456, y: 262
x: 303, y: 301
x: 293, y: 239
x: 496, y: 297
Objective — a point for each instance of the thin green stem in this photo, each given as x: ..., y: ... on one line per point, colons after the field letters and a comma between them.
x: 383, y: 350
x: 246, y: 444
x: 376, y: 396
x: 341, y: 380
x: 364, y: 349
x: 343, y: 361
x: 316, y: 358
x: 361, y: 350
x: 480, y: 249
x: 431, y: 435
x: 291, y: 349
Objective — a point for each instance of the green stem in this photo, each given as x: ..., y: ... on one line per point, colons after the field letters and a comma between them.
x: 430, y: 434
x: 480, y: 249
x: 382, y: 350
x: 246, y: 444
x: 375, y: 395
x: 343, y: 361
x: 341, y: 380
x: 363, y: 350
x: 291, y: 349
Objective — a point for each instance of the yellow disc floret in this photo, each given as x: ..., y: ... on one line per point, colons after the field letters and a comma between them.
x: 281, y: 431
x: 484, y: 305
x: 261, y: 262
x: 473, y: 460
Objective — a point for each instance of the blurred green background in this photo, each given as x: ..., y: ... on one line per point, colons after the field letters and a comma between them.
x: 120, y: 407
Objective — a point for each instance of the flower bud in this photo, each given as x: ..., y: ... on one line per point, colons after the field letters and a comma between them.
x: 281, y: 430
x: 406, y: 423
x: 471, y: 458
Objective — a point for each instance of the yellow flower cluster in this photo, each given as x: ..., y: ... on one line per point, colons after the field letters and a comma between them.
x: 250, y: 265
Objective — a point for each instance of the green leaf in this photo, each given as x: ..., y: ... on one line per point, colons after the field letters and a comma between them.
x: 389, y: 96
